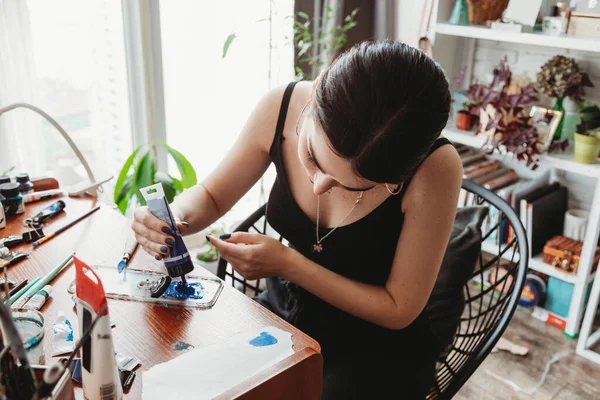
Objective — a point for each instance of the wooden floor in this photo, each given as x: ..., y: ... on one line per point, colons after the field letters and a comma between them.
x: 572, y: 377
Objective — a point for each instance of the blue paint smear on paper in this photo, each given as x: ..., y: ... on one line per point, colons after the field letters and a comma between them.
x: 264, y: 339
x: 69, y: 329
x: 193, y: 290
x: 178, y: 346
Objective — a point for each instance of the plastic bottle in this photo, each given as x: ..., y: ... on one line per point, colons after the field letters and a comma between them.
x: 25, y: 185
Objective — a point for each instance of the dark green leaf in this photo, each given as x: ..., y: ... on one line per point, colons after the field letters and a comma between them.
x: 167, y: 184
x: 144, y: 176
x: 124, y: 172
x: 124, y: 194
x: 227, y: 43
x: 188, y: 174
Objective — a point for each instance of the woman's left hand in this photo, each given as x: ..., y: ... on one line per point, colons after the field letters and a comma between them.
x: 253, y: 255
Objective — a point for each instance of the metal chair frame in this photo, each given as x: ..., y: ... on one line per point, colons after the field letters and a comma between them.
x: 488, y: 307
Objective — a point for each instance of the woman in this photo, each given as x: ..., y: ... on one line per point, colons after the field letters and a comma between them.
x: 366, y: 195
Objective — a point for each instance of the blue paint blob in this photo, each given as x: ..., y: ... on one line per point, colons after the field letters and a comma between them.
x: 193, y: 290
x: 178, y: 346
x: 264, y: 339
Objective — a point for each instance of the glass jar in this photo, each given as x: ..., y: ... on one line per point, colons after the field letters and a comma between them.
x: 25, y: 185
x: 4, y: 179
x: 11, y: 199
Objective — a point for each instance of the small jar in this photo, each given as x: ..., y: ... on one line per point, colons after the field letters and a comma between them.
x: 2, y: 217
x: 4, y: 179
x: 12, y: 199
x: 25, y: 185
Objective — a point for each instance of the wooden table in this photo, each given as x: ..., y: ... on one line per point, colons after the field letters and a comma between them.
x: 148, y: 331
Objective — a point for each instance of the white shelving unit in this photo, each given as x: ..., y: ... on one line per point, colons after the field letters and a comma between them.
x: 455, y: 47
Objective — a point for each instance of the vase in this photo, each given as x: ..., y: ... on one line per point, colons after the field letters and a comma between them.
x: 460, y: 13
x: 586, y: 148
x: 571, y: 119
x: 558, y: 106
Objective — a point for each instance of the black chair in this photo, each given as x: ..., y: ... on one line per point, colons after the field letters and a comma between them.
x: 488, y: 307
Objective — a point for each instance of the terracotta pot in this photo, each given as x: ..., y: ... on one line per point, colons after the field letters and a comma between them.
x: 464, y: 120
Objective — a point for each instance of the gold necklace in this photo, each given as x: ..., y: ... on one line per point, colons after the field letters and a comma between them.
x: 318, y: 247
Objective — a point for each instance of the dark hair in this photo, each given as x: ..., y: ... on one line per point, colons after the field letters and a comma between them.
x: 382, y: 105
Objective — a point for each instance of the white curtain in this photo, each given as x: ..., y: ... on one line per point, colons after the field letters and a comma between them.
x: 20, y: 144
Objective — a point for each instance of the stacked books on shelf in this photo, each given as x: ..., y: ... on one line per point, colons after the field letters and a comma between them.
x: 539, y: 204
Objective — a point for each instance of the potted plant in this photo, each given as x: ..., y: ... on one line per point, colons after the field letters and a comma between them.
x: 140, y: 171
x: 560, y: 77
x: 503, y: 115
x: 587, y: 137
x: 464, y: 118
x: 208, y: 254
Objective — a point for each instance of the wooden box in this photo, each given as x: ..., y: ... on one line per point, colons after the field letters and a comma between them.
x: 564, y: 253
x: 584, y: 25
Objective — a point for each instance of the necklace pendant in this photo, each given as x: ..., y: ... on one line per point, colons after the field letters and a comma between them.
x: 318, y: 247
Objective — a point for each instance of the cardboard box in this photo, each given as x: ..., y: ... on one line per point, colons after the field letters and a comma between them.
x: 584, y: 25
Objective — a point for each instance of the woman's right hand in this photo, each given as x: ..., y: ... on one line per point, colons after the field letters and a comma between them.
x: 153, y: 234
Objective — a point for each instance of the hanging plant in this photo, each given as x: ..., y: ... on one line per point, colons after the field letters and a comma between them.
x: 140, y: 171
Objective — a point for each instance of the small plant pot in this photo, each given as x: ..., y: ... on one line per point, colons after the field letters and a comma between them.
x: 586, y: 149
x: 464, y: 120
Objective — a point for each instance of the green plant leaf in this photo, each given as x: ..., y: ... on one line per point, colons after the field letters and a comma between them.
x: 144, y: 176
x: 227, y: 43
x: 124, y: 195
x: 123, y: 174
x: 167, y: 184
x: 302, y: 14
x: 9, y: 170
x: 177, y: 184
x: 188, y: 174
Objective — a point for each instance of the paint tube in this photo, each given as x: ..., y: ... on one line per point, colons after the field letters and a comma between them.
x: 46, y: 194
x: 37, y: 300
x: 99, y: 372
x: 178, y: 261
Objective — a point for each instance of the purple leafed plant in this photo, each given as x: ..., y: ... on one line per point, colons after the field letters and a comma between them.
x: 503, y: 118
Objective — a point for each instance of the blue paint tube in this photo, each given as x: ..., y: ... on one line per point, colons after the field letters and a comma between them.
x: 178, y: 261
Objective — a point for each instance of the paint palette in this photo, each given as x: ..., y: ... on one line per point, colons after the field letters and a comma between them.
x: 139, y: 284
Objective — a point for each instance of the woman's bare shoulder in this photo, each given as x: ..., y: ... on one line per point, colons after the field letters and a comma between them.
x: 439, y: 175
x: 266, y: 112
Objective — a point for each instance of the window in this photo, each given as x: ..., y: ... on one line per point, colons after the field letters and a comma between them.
x: 80, y: 80
x: 207, y: 98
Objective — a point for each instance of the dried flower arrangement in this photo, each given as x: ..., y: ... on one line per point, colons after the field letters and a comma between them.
x: 502, y: 107
x: 561, y: 77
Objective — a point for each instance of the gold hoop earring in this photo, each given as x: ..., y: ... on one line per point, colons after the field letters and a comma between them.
x: 394, y: 192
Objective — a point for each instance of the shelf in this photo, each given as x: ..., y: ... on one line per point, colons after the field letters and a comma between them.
x: 559, y: 160
x: 537, y: 264
x: 537, y: 39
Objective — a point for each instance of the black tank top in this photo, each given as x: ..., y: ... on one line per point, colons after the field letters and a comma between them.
x: 363, y: 251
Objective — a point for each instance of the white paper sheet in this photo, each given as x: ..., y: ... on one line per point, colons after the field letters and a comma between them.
x: 210, y: 371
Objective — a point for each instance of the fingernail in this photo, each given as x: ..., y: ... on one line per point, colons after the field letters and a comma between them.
x: 167, y: 231
x: 170, y: 242
x: 225, y: 236
x: 157, y: 258
x: 185, y: 224
x: 207, y: 239
x: 164, y: 249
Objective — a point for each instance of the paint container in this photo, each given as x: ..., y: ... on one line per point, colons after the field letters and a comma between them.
x: 30, y: 324
x: 2, y: 217
x: 12, y: 201
x: 38, y: 300
x: 25, y: 185
x: 99, y: 372
x: 4, y: 179
x: 178, y: 262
